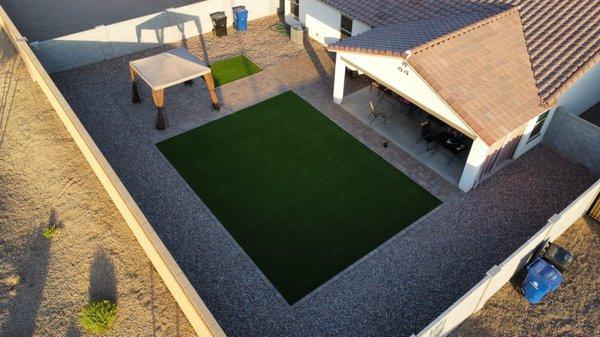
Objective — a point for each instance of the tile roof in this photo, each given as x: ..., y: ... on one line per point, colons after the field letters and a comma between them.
x: 386, y: 12
x: 562, y: 37
x: 484, y: 75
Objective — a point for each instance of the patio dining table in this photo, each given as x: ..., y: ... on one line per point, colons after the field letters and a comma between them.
x: 453, y: 144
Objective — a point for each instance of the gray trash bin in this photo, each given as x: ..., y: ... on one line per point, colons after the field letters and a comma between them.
x: 297, y: 34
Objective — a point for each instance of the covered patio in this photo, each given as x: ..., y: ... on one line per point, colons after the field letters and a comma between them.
x: 412, y: 129
x: 477, y: 82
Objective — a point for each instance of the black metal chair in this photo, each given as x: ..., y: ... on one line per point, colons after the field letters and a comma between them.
x: 425, y: 131
x: 375, y: 112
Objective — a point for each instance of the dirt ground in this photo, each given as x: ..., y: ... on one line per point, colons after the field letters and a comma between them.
x: 574, y: 310
x: 45, y: 179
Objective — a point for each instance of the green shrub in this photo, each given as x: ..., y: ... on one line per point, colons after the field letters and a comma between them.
x: 49, y: 232
x: 98, y: 316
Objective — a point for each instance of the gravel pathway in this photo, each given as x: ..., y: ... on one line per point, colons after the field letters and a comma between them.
x: 396, y: 290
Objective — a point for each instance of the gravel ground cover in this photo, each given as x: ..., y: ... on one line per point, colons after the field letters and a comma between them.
x: 306, y: 190
x: 395, y: 290
x: 44, y: 179
x: 571, y: 311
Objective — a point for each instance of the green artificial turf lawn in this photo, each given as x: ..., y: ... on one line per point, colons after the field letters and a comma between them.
x: 301, y: 196
x: 232, y: 69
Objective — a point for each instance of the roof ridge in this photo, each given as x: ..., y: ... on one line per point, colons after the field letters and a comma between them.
x: 461, y: 31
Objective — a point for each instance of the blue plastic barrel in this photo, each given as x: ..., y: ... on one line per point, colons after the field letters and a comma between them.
x: 241, y: 19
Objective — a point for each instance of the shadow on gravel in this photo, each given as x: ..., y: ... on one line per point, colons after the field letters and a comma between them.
x: 314, y: 58
x: 73, y: 330
x: 103, y: 282
x: 32, y: 269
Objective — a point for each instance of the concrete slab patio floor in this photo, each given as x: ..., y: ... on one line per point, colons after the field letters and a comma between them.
x: 404, y: 130
x: 395, y: 290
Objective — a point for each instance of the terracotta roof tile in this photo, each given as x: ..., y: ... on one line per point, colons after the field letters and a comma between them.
x: 493, y: 92
x: 496, y: 58
x: 562, y: 36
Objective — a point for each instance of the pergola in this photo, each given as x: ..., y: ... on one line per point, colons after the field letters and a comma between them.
x: 166, y: 70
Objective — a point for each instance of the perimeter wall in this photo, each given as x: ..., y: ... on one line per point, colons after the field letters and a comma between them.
x: 186, y: 296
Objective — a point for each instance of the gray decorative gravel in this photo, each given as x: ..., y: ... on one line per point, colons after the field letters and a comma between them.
x: 396, y: 290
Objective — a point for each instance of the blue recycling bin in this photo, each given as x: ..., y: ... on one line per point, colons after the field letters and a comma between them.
x: 542, y: 278
x: 240, y: 19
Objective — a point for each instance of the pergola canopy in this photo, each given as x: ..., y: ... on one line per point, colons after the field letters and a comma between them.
x: 169, y: 68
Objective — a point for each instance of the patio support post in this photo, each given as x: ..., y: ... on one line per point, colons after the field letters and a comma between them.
x: 477, y: 155
x: 159, y: 101
x: 135, y: 89
x: 210, y: 84
x: 340, y: 77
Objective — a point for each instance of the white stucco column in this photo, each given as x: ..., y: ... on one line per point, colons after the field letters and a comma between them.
x: 340, y: 77
x: 477, y: 155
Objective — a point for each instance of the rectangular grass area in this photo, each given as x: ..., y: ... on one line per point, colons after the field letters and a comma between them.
x: 302, y: 197
x: 232, y: 69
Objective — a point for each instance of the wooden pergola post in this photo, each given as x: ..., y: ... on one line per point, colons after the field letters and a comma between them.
x: 210, y: 84
x: 135, y: 89
x: 161, y: 117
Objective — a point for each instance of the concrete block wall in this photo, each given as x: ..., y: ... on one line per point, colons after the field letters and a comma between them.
x: 575, y: 139
x: 126, y: 37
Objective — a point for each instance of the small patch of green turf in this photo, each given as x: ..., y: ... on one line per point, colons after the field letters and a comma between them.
x: 232, y: 69
x: 301, y: 196
x: 281, y: 29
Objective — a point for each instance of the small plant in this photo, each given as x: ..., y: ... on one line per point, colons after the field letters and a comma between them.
x: 98, y: 316
x: 281, y: 28
x: 49, y: 232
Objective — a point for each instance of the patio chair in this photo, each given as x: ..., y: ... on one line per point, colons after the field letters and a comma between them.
x: 429, y: 137
x: 382, y: 90
x: 375, y: 112
x: 425, y: 131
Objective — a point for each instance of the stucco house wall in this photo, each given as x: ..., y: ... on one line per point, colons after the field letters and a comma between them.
x: 322, y: 21
x: 583, y: 94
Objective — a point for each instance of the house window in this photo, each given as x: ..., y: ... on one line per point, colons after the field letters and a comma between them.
x: 295, y: 8
x: 346, y: 27
x: 539, y: 124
